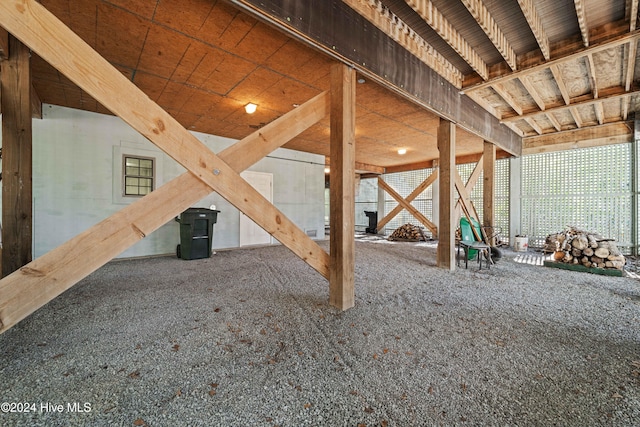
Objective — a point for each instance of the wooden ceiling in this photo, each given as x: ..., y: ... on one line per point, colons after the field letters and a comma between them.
x: 558, y: 73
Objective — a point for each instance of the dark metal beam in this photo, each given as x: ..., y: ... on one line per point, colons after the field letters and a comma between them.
x: 339, y: 31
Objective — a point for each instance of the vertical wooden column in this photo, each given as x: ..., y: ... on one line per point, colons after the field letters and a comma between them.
x: 488, y: 186
x: 15, y: 85
x: 342, y: 181
x: 446, y: 210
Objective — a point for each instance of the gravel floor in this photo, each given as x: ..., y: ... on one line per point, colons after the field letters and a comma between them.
x: 246, y: 338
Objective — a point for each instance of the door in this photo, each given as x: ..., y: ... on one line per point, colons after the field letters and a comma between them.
x: 250, y: 232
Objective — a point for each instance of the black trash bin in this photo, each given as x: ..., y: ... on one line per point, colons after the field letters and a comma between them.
x: 196, y: 233
x: 373, y: 222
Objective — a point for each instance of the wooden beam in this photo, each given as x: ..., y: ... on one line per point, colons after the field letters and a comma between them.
x: 17, y: 218
x: 446, y: 211
x: 46, y: 277
x: 609, y: 94
x: 404, y: 204
x: 492, y: 30
x: 630, y: 52
x: 541, y: 66
x: 509, y: 99
x: 362, y: 168
x: 531, y: 122
x: 556, y: 124
x: 447, y: 31
x: 576, y: 116
x: 591, y: 72
x: 399, y: 31
x: 488, y: 186
x: 581, y: 13
x: 410, y: 198
x: 535, y: 23
x: 342, y: 187
x: 36, y: 104
x: 557, y: 75
x: 599, y: 110
x: 593, y: 136
x: 533, y: 92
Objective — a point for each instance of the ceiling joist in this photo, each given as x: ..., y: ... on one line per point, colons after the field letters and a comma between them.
x: 443, y: 27
x: 482, y: 16
x: 582, y: 21
x: 535, y: 23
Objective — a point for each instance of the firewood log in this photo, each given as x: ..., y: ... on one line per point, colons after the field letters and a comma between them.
x: 602, y: 252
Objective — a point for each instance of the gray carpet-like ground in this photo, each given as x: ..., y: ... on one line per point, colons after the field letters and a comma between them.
x: 247, y: 338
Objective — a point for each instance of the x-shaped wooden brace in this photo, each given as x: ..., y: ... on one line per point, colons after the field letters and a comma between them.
x: 43, y: 279
x: 465, y: 190
x: 406, y: 203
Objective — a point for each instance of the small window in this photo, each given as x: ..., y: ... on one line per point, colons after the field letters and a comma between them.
x: 138, y: 175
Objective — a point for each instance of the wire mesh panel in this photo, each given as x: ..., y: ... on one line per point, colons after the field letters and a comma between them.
x: 588, y: 188
x: 404, y: 183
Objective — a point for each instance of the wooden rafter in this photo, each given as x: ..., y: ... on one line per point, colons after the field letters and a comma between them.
x: 531, y: 122
x: 576, y: 116
x: 487, y: 23
x: 552, y: 118
x: 582, y: 21
x: 410, y: 198
x: 630, y: 52
x: 509, y: 99
x: 557, y: 76
x: 380, y: 16
x: 577, y: 54
x: 443, y: 27
x: 535, y: 23
x: 605, y: 95
x: 599, y: 110
x: 591, y: 71
x: 46, y: 277
x: 406, y: 205
x: 530, y: 87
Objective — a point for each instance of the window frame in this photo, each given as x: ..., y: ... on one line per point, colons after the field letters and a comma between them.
x: 125, y: 175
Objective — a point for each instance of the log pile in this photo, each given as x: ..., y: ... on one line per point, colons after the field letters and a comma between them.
x: 408, y: 232
x: 575, y: 246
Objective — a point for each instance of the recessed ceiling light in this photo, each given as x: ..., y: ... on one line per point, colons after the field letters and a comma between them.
x: 361, y: 80
x: 402, y: 151
x: 326, y: 170
x: 296, y: 105
x: 250, y: 108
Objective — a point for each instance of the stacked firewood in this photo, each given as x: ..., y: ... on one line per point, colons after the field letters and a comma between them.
x: 575, y: 246
x: 408, y: 232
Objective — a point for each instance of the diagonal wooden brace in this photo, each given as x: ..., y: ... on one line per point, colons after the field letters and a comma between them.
x: 38, y: 282
x: 415, y: 212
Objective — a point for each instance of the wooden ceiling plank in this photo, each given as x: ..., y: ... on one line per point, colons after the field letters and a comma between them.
x: 533, y: 92
x: 535, y: 23
x: 509, y: 99
x: 490, y: 27
x: 437, y: 21
x: 541, y: 66
x: 582, y: 21
x: 30, y: 287
x: 394, y: 27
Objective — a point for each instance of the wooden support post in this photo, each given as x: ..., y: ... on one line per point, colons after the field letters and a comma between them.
x: 488, y: 189
x: 4, y: 44
x: 342, y: 181
x: 446, y: 226
x: 15, y: 85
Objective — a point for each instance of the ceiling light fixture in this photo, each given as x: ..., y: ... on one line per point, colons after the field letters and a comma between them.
x: 250, y: 108
x: 326, y: 170
x: 402, y: 151
x: 361, y: 80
